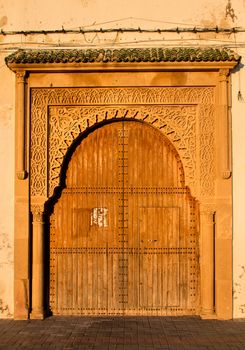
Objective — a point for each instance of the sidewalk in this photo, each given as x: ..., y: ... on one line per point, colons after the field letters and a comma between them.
x: 123, y: 333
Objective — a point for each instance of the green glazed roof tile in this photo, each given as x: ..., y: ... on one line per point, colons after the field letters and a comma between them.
x: 122, y: 55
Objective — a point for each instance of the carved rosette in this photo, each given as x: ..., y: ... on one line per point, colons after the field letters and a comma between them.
x: 185, y: 115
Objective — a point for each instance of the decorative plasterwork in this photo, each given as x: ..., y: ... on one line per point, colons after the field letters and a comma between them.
x: 176, y: 122
x: 185, y: 115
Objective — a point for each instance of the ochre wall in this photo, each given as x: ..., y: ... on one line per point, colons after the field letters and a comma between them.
x: 47, y: 14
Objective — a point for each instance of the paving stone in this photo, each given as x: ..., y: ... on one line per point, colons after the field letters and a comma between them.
x: 122, y: 333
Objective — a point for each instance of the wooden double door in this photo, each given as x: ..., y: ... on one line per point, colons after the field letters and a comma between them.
x: 123, y: 234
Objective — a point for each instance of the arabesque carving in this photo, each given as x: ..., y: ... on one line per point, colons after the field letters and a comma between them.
x: 184, y: 114
x: 122, y: 95
x: 206, y: 149
x: 176, y: 122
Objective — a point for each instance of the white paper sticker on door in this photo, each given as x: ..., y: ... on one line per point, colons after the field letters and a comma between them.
x: 99, y: 217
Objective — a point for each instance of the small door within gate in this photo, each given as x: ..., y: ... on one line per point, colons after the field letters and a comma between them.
x: 123, y: 235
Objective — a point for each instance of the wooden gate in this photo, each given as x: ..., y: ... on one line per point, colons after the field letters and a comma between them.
x: 123, y: 235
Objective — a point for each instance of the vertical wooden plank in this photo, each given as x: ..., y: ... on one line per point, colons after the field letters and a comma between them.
x: 172, y: 218
x: 94, y: 168
x: 75, y: 230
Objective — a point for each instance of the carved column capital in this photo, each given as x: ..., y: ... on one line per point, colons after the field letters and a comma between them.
x: 38, y: 213
x: 20, y: 77
x: 223, y: 74
x: 207, y: 211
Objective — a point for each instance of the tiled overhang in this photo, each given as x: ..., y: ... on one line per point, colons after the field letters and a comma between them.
x: 66, y: 58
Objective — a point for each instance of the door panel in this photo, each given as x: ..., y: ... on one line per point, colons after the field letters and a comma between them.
x: 123, y: 234
x: 159, y: 263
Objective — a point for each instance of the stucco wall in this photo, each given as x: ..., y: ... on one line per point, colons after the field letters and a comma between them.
x: 7, y: 189
x: 238, y: 143
x: 48, y: 14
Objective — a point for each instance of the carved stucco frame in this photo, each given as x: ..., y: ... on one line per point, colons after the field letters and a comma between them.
x: 194, y: 119
x: 185, y: 115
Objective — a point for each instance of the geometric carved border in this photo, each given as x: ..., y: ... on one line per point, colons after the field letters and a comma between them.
x: 185, y: 115
x: 176, y: 122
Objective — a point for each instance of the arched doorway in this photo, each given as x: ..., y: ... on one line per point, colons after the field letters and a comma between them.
x: 188, y: 102
x: 123, y: 236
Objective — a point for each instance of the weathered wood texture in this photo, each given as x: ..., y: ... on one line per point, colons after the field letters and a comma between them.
x: 124, y: 233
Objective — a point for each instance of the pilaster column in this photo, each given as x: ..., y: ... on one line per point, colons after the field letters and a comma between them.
x: 37, y: 262
x: 225, y: 123
x: 207, y: 262
x: 20, y: 124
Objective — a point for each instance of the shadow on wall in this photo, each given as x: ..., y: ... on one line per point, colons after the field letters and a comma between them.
x: 240, y: 94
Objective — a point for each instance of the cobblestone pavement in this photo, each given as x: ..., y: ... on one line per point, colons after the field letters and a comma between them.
x: 123, y: 333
